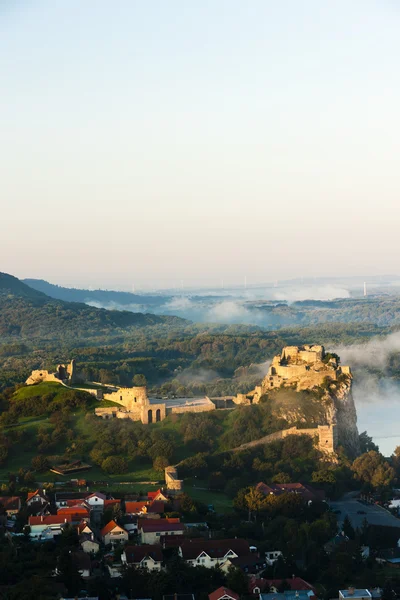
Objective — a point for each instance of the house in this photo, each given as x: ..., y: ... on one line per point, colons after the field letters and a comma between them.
x: 288, y: 595
x: 354, y: 594
x: 250, y: 564
x: 156, y: 508
x: 83, y: 564
x: 272, y: 556
x: 308, y: 493
x: 296, y: 584
x: 111, y: 502
x: 84, y: 527
x: 11, y: 504
x: 151, y: 530
x: 390, y: 556
x: 209, y: 553
x: 147, y: 556
x: 77, y: 512
x: 113, y: 533
x: 47, y: 527
x: 37, y: 497
x: 223, y: 593
x: 88, y: 544
x: 158, y: 495
x: 135, y: 508
x: 61, y: 498
x: 96, y: 501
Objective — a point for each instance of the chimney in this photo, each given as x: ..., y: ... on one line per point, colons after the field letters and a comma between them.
x: 42, y: 518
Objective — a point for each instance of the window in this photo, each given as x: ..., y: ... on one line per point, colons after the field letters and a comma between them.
x: 120, y: 398
x: 158, y: 534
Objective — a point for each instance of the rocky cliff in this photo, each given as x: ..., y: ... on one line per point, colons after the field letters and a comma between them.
x: 308, y: 387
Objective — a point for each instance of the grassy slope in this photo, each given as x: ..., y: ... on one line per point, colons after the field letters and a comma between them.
x: 139, y: 471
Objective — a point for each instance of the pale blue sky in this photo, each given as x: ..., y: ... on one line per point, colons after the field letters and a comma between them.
x: 162, y: 140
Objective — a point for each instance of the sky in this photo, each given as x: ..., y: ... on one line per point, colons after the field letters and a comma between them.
x: 163, y: 141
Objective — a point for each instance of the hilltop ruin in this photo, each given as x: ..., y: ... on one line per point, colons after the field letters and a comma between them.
x: 310, y: 368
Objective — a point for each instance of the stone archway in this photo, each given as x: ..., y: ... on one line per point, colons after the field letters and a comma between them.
x: 150, y: 416
x: 158, y: 415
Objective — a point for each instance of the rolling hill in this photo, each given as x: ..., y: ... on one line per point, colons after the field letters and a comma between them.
x: 26, y: 312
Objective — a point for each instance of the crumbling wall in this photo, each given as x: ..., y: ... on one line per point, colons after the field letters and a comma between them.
x: 132, y: 398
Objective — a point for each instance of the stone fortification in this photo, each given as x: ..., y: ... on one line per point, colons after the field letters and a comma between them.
x: 69, y: 375
x: 325, y: 436
x: 174, y: 485
x: 306, y: 368
x: 137, y: 406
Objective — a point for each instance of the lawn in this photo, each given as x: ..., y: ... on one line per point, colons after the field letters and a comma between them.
x: 197, y: 490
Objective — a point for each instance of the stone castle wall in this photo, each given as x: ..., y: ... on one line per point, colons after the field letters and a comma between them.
x: 132, y: 398
x: 325, y: 434
x: 174, y: 484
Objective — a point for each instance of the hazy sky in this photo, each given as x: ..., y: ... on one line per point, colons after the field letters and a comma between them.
x: 157, y: 140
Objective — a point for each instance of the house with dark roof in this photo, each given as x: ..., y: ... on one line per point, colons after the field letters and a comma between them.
x: 11, y: 504
x: 295, y: 584
x: 147, y: 556
x: 209, y: 553
x: 308, y: 493
x: 151, y: 530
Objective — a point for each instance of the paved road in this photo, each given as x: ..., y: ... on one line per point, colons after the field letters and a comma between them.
x: 375, y: 515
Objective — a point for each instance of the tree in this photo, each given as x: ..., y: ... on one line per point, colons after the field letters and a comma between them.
x: 237, y: 580
x: 40, y: 463
x: 139, y: 380
x: 371, y: 467
x: 366, y: 443
x: 160, y: 463
x: 114, y: 465
x: 348, y: 528
x: 254, y: 500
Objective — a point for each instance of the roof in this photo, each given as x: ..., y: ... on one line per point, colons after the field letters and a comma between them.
x: 157, y: 506
x: 82, y: 511
x: 250, y: 561
x: 82, y: 525
x: 306, y: 491
x: 35, y: 493
x: 98, y: 494
x: 354, y: 593
x: 297, y: 584
x: 50, y: 520
x: 154, y: 525
x: 111, y: 502
x: 152, y: 495
x: 109, y: 527
x: 63, y: 496
x: 135, y: 554
x: 223, y: 592
x: 214, y: 548
x: 135, y: 507
x: 288, y: 595
x: 11, y: 502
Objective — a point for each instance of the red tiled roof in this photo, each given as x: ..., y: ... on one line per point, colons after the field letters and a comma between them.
x: 10, y: 502
x: 74, y: 510
x: 82, y: 525
x: 112, y: 502
x: 98, y: 494
x: 152, y: 495
x: 159, y: 525
x: 191, y: 549
x: 109, y: 527
x: 221, y: 592
x: 135, y: 554
x: 135, y: 507
x: 50, y: 520
x: 35, y: 493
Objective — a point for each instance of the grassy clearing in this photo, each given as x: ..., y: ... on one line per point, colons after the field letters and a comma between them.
x: 40, y: 389
x: 221, y: 502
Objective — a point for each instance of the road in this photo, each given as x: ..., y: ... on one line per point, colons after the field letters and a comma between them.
x: 375, y: 515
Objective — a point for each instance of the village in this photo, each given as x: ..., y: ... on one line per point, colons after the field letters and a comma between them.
x: 139, y: 532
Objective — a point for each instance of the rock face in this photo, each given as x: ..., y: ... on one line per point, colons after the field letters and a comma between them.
x: 309, y: 368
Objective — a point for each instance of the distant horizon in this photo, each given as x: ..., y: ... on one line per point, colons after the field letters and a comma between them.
x: 351, y: 280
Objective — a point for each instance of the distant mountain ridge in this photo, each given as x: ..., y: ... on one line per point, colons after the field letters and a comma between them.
x: 26, y: 312
x: 102, y: 296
